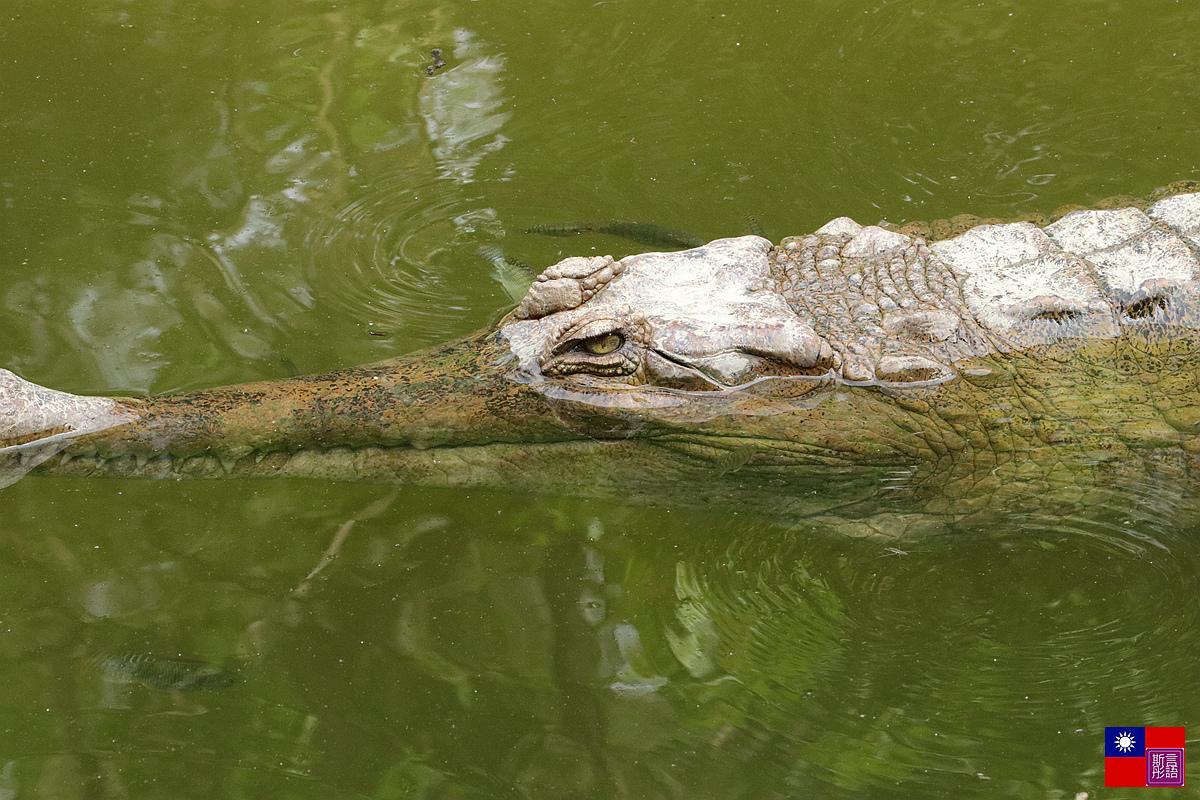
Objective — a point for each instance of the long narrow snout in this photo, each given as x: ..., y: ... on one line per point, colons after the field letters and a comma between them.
x: 453, y: 396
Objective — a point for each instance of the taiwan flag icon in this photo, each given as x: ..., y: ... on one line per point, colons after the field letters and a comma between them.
x: 1143, y: 756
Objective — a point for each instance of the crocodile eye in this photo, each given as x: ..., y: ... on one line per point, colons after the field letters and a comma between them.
x: 603, y: 344
x: 600, y: 346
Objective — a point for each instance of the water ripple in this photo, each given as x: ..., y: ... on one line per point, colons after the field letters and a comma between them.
x: 389, y: 256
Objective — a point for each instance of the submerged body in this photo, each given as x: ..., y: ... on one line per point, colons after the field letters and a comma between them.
x: 855, y: 375
x: 166, y: 673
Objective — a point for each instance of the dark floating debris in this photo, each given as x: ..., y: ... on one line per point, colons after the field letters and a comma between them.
x: 438, y: 63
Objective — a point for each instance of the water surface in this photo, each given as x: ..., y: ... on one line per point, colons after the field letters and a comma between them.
x: 204, y: 192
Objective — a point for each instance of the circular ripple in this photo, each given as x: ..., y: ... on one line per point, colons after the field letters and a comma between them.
x: 391, y: 256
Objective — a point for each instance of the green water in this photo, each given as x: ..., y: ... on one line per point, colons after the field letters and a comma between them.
x: 203, y: 192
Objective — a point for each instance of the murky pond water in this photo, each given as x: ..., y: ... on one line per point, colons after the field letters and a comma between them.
x: 205, y: 192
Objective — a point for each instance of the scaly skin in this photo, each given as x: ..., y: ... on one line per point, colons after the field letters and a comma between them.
x: 852, y: 376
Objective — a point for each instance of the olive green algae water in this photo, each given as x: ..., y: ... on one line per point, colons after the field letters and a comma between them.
x: 199, y: 193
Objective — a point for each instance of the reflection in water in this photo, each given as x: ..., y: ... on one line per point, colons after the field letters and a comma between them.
x: 462, y: 110
x: 385, y: 255
x: 286, y: 189
x: 823, y: 662
x: 571, y: 650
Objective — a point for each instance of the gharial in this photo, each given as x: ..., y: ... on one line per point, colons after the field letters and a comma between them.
x: 857, y: 375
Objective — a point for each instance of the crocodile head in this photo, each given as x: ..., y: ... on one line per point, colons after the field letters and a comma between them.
x: 669, y: 335
x: 705, y: 319
x: 740, y: 329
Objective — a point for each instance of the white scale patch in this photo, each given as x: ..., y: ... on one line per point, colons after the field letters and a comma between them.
x: 1125, y: 245
x: 1001, y: 266
x: 718, y: 285
x: 1181, y: 213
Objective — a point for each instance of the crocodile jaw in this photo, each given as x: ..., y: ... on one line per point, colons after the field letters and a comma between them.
x: 458, y: 395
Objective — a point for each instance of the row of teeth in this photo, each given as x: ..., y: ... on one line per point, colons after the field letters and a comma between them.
x: 140, y: 460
